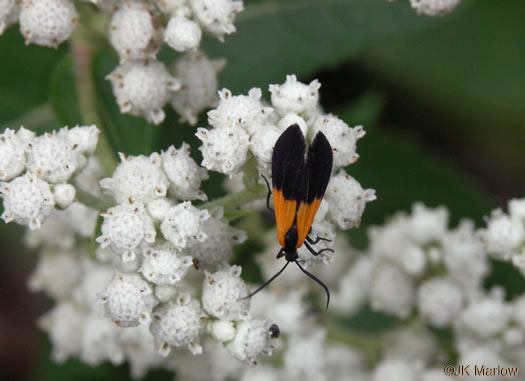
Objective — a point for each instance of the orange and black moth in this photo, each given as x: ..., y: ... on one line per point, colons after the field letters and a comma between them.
x: 299, y: 181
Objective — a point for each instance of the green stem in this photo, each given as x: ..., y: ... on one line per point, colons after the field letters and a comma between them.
x: 369, y: 344
x: 235, y: 200
x: 92, y: 201
x: 87, y: 96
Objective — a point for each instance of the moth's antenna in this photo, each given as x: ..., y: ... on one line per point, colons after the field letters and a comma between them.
x: 318, y: 281
x: 266, y: 283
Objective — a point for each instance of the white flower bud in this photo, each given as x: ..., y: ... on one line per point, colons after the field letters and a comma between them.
x: 184, y: 173
x: 182, y: 225
x: 27, y: 201
x: 12, y: 155
x: 143, y: 88
x: 439, y: 302
x: 100, y: 341
x: 125, y: 227
x: 64, y: 195
x: 394, y: 370
x: 342, y: 138
x: 177, y: 325
x: 84, y: 139
x: 64, y: 326
x: 216, y: 16
x: 502, y: 235
x: 217, y: 249
x: 198, y: 79
x: 140, y: 178
x: 221, y: 330
x: 434, y: 7
x: 53, y: 158
x: 262, y: 143
x: 134, y: 32
x: 252, y: 339
x: 163, y: 265
x: 427, y: 224
x: 170, y: 6
x: 295, y: 97
x: 47, y: 22
x: 128, y: 300
x: 157, y: 209
x: 347, y: 200
x: 245, y: 111
x: 182, y: 34
x: 9, y: 11
x: 223, y: 149
x: 56, y: 274
x: 486, y: 318
x: 223, y: 295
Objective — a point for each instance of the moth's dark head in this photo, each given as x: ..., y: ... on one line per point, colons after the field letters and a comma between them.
x: 291, y: 255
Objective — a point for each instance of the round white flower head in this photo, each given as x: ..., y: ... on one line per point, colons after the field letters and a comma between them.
x: 223, y: 149
x: 163, y: 265
x: 64, y: 195
x: 12, y: 155
x: 182, y: 33
x: 439, y: 302
x: 305, y: 356
x: 342, y: 138
x: 295, y: 97
x: 27, y: 201
x: 177, y: 325
x: 184, y: 173
x: 245, y: 111
x: 170, y: 6
x: 81, y: 218
x: 142, y: 88
x: 413, y: 343
x: 125, y: 227
x: 262, y: 143
x: 216, y: 16
x: 9, y: 11
x: 352, y: 291
x: 198, y: 78
x: 343, y: 360
x: 83, y: 138
x: 218, y: 247
x: 486, y: 318
x: 100, y: 341
x: 96, y: 278
x: 182, y: 225
x: 56, y: 274
x: 221, y: 330
x: 134, y: 32
x: 138, y: 345
x: 128, y: 300
x: 223, y: 295
x: 47, y: 22
x: 392, y: 291
x: 427, y: 224
x: 394, y: 370
x: 502, y: 235
x: 347, y: 200
x: 64, y: 326
x: 434, y: 7
x: 140, y: 178
x: 252, y: 339
x: 53, y: 158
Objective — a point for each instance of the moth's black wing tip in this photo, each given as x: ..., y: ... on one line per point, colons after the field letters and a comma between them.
x: 288, y: 155
x: 320, y: 160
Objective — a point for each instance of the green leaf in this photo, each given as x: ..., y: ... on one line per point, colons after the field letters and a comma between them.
x: 275, y: 38
x: 62, y: 93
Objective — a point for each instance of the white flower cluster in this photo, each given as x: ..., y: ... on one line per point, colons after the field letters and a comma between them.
x: 504, y: 236
x: 434, y: 7
x: 415, y: 261
x: 142, y: 85
x: 35, y: 171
